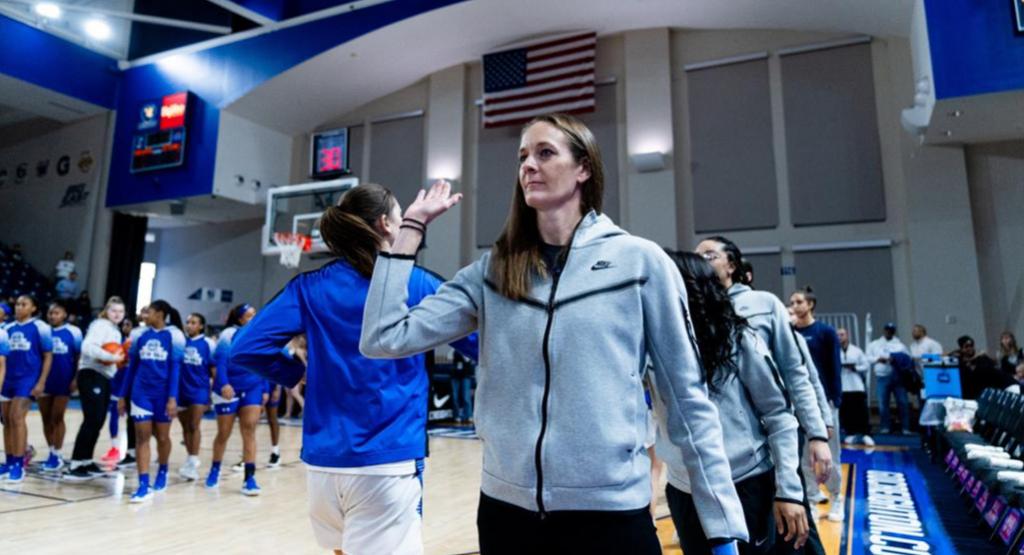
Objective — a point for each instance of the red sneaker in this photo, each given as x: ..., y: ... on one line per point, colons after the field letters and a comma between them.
x: 113, y: 455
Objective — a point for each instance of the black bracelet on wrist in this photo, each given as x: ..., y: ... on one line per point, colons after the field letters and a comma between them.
x: 414, y: 220
x: 410, y: 226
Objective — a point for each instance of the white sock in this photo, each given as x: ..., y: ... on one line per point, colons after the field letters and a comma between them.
x: 275, y: 450
x: 53, y: 451
x: 193, y: 460
x: 131, y: 452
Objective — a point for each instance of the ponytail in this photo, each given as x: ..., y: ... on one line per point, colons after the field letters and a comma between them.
x: 809, y: 296
x: 171, y: 315
x: 348, y: 228
x: 235, y: 316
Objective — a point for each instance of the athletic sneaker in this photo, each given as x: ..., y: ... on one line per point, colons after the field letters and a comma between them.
x: 5, y: 469
x: 189, y: 471
x: 127, y: 462
x: 16, y: 474
x: 78, y: 474
x: 53, y: 463
x: 275, y: 461
x: 836, y: 513
x: 213, y: 479
x: 850, y: 440
x: 250, y: 487
x: 817, y: 497
x: 112, y: 456
x: 95, y: 470
x: 160, y: 483
x: 30, y: 453
x: 868, y: 440
x: 238, y: 467
x: 141, y: 495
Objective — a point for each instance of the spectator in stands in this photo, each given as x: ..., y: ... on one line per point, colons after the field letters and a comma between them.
x: 68, y: 288
x: 83, y: 308
x: 854, y: 418
x: 978, y: 371
x: 1010, y: 354
x: 923, y: 345
x: 65, y: 266
x: 886, y: 385
x: 5, y: 312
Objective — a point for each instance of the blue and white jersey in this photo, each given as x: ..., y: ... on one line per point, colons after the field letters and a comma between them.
x: 5, y: 347
x: 228, y: 373
x: 155, y: 363
x: 196, y: 363
x: 67, y: 345
x: 28, y: 342
x: 359, y: 411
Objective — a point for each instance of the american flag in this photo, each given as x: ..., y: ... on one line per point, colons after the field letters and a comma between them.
x: 550, y: 75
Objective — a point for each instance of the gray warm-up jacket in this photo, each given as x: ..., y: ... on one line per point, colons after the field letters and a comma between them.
x: 756, y: 419
x: 768, y: 317
x: 560, y: 400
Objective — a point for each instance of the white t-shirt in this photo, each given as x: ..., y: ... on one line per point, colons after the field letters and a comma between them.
x: 883, y: 347
x: 64, y: 268
x: 854, y: 379
x: 925, y: 346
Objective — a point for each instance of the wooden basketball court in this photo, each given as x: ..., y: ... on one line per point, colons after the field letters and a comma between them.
x: 46, y: 515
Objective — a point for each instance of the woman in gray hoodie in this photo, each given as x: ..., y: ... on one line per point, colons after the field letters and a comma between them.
x: 756, y: 417
x: 568, y: 307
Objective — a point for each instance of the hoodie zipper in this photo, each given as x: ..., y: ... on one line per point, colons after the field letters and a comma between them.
x: 547, y: 391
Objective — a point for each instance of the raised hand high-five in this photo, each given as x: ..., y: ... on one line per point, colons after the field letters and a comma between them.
x: 429, y: 204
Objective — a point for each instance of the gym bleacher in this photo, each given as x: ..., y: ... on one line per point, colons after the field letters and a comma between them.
x: 18, y: 277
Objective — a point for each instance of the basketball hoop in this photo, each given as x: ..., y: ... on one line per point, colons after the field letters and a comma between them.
x: 292, y: 246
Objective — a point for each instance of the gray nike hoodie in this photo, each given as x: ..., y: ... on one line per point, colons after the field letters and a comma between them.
x: 560, y: 400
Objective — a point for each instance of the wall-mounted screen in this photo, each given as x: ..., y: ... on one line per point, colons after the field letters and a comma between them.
x: 330, y: 153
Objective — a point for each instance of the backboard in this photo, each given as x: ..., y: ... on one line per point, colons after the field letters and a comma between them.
x: 296, y: 209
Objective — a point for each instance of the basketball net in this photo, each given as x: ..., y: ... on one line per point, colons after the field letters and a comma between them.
x: 292, y: 246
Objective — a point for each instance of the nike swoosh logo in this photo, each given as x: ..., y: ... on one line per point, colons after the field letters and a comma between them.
x: 438, y: 403
x: 601, y: 265
x: 760, y: 543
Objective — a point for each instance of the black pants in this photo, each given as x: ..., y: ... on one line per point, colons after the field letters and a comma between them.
x: 506, y: 528
x: 813, y: 545
x: 854, y: 416
x: 756, y: 495
x: 94, y: 393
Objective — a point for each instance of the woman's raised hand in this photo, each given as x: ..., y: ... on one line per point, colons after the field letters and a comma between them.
x: 433, y: 202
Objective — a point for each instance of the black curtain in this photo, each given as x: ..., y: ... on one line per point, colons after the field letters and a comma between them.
x: 127, y: 247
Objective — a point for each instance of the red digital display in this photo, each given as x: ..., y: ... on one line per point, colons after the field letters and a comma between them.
x: 172, y: 110
x: 330, y: 160
x: 330, y: 153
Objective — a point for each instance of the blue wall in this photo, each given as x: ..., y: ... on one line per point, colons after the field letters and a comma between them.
x: 217, y: 77
x: 974, y: 47
x: 43, y: 59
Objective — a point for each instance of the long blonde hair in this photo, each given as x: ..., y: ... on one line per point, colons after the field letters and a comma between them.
x: 516, y: 255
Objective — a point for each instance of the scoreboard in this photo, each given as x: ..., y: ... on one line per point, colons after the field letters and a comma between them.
x: 330, y: 153
x: 159, y: 141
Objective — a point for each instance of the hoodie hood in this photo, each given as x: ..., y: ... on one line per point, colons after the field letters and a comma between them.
x: 595, y: 228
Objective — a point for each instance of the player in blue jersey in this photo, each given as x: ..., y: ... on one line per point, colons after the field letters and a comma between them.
x: 364, y: 421
x: 67, y: 346
x: 153, y: 378
x: 236, y: 393
x: 197, y: 370
x: 28, y: 365
x: 5, y: 349
x: 122, y: 451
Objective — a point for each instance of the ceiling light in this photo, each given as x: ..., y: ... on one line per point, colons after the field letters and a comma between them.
x: 97, y: 29
x: 48, y: 10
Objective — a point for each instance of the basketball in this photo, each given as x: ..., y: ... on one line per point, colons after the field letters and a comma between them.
x: 115, y: 348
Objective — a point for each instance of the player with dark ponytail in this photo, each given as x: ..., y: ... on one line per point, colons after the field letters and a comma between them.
x: 153, y: 377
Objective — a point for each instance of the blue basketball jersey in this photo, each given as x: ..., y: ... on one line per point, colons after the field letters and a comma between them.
x: 195, y: 368
x: 156, y: 357
x: 67, y: 345
x: 28, y: 342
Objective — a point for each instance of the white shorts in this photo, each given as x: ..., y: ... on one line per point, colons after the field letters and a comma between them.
x: 362, y: 514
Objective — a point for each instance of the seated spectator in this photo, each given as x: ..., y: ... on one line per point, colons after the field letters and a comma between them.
x: 68, y: 287
x: 65, y: 266
x: 978, y: 370
x: 1010, y: 354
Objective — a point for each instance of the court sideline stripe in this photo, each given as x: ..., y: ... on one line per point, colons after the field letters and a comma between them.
x: 32, y: 508
x: 851, y: 504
